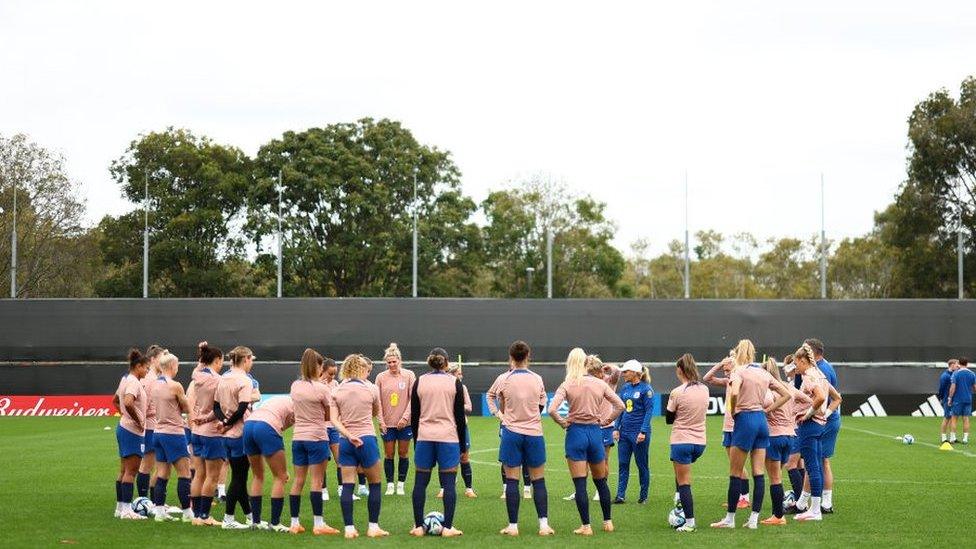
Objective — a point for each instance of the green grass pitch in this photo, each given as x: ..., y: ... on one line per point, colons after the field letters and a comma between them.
x: 57, y: 474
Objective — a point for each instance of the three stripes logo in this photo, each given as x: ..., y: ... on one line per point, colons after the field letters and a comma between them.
x: 871, y: 408
x: 930, y: 408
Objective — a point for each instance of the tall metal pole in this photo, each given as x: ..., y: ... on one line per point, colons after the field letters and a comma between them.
x: 145, y: 237
x: 959, y: 242
x: 415, y: 233
x: 549, y: 264
x: 823, y: 243
x: 528, y: 272
x: 687, y: 245
x: 279, y: 232
x: 13, y: 248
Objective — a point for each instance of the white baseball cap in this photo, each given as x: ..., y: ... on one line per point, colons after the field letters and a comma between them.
x: 632, y: 366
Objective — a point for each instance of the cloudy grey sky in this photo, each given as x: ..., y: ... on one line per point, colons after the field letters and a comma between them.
x: 618, y: 99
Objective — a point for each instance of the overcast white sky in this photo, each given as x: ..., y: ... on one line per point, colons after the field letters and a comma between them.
x: 618, y: 99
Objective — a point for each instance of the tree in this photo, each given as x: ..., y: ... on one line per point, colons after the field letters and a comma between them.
x: 347, y: 191
x: 196, y: 193
x: 862, y: 268
x: 55, y: 255
x: 788, y: 270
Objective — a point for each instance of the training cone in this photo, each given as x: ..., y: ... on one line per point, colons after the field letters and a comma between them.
x: 945, y: 447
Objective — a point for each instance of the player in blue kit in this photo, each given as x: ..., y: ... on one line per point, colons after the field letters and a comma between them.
x: 828, y: 440
x: 961, y: 398
x: 945, y: 381
x: 633, y: 428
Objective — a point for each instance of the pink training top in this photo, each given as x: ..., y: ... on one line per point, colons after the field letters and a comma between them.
x: 754, y: 383
x: 278, y: 412
x: 395, y: 392
x: 436, y: 391
x: 782, y: 420
x: 169, y: 417
x: 606, y: 407
x: 523, y: 393
x: 357, y: 404
x: 130, y: 385
x: 467, y: 400
x: 812, y: 379
x: 728, y: 422
x: 494, y: 403
x: 234, y: 387
x: 689, y: 402
x: 204, y: 382
x: 148, y: 386
x: 332, y: 385
x: 586, y: 400
x: 312, y: 400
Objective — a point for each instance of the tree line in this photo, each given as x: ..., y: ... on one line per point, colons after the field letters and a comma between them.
x: 348, y: 192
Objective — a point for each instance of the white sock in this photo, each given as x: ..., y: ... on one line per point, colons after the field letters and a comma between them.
x: 374, y: 526
x: 221, y: 490
x: 543, y: 522
x: 317, y: 521
x: 228, y: 517
x: 188, y: 513
x: 815, y: 505
x: 804, y: 501
x: 295, y: 522
x: 944, y: 438
x: 350, y: 529
x: 952, y: 436
x: 965, y: 437
x: 754, y: 517
x: 828, y: 498
x: 118, y: 506
x: 249, y: 517
x: 513, y: 526
x: 389, y: 485
x: 730, y: 517
x: 127, y: 507
x: 690, y: 522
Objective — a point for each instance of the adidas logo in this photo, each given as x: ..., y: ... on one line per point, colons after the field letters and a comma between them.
x: 871, y: 408
x: 930, y: 408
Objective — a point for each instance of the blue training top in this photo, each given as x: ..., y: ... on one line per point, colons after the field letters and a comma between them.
x: 945, y: 380
x: 638, y: 407
x: 831, y: 375
x: 963, y: 379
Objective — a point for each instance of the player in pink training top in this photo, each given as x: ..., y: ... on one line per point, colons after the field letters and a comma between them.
x: 523, y: 396
x: 171, y: 444
x: 728, y: 424
x: 748, y: 384
x: 209, y: 452
x: 492, y: 396
x: 395, y: 385
x: 355, y: 404
x: 438, y: 423
x: 131, y: 402
x: 609, y: 374
x: 263, y: 443
x: 312, y: 400
x: 232, y: 404
x: 146, y: 479
x: 687, y: 405
x: 455, y: 369
x: 587, y: 397
x: 330, y: 370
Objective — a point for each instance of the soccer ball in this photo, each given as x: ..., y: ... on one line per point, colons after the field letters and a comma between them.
x: 143, y: 506
x: 434, y: 523
x: 676, y: 518
x: 908, y: 439
x: 789, y: 500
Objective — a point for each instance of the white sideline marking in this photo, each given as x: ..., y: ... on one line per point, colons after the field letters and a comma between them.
x: 955, y: 449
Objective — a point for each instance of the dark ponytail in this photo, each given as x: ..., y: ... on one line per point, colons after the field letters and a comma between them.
x: 136, y: 358
x: 437, y: 359
x: 208, y: 353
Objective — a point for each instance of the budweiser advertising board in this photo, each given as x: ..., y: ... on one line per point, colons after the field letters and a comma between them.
x: 61, y: 405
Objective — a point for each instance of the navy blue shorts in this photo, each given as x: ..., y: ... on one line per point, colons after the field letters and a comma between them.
x: 727, y: 439
x: 962, y: 409
x: 794, y: 445
x: 517, y: 449
x: 234, y: 447
x: 828, y: 441
x: 309, y: 452
x: 150, y: 442
x: 446, y: 455
x: 607, y: 433
x: 393, y: 433
x: 365, y: 456
x: 171, y: 448
x: 210, y: 448
x: 333, y: 435
x: 585, y: 443
x: 686, y: 454
x: 261, y: 438
x: 751, y: 430
x: 946, y: 410
x: 130, y: 444
x: 780, y: 448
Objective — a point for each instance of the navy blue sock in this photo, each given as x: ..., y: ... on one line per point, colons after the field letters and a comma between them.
x: 776, y: 493
x: 448, y: 483
x: 183, y: 492
x: 126, y: 492
x: 582, y: 500
x: 255, y: 509
x: 603, y: 489
x: 759, y: 483
x: 796, y: 481
x: 362, y: 479
x: 467, y: 476
x: 540, y: 496
x: 345, y: 501
x: 402, y: 467
x: 420, y: 481
x: 744, y: 486
x: 118, y: 491
x: 388, y: 469
x: 338, y: 476
x: 277, y: 506
x: 295, y: 504
x: 373, y: 502
x: 160, y: 492
x: 512, y: 499
x: 526, y: 481
x: 732, y: 497
x: 152, y: 493
x: 687, y: 503
x: 206, y: 503
x: 142, y: 484
x: 316, y: 499
x: 195, y: 505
